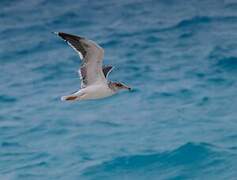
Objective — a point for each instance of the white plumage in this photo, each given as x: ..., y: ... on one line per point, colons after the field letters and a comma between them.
x: 93, y: 74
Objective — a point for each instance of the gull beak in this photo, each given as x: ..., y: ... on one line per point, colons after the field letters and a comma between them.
x: 128, y: 88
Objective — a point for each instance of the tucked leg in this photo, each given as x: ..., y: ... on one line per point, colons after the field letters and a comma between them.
x: 69, y: 98
x: 73, y: 97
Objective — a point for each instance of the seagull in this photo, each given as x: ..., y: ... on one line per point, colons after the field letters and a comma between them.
x: 93, y: 74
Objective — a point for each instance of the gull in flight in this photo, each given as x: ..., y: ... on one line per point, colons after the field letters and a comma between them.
x: 93, y: 74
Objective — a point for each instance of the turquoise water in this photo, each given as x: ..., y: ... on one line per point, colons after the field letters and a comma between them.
x: 178, y: 123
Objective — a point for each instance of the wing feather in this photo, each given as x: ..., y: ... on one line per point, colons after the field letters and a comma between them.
x: 91, y: 55
x: 107, y: 70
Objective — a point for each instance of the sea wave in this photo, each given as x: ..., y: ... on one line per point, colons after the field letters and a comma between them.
x: 199, y: 20
x: 195, y: 157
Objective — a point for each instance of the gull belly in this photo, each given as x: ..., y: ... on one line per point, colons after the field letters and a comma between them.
x: 96, y: 92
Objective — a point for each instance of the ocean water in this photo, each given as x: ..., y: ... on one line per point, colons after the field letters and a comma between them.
x: 180, y: 120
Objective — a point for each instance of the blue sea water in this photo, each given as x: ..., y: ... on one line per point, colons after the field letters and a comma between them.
x: 180, y: 120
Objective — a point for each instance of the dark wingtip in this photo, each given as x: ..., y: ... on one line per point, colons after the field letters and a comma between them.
x: 65, y: 36
x: 61, y: 34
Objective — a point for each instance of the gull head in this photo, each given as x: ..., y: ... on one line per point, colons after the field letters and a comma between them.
x: 119, y: 86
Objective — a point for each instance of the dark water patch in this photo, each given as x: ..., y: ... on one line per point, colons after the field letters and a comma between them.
x: 228, y: 63
x: 10, y: 144
x: 188, y: 156
x: 193, y: 21
x: 15, y: 154
x: 233, y: 148
x: 184, y: 93
x: 152, y: 39
x: 178, y: 156
x: 166, y: 94
x: 219, y: 81
x: 219, y: 52
x: 197, y: 152
x: 200, y: 75
x: 27, y: 167
x: 130, y: 54
x: 204, y: 101
x: 230, y: 138
x: 40, y: 155
x: 223, y: 58
x: 199, y: 20
x: 6, y: 3
x: 108, y: 124
x: 61, y: 131
x: 7, y: 99
x: 161, y: 95
x: 186, y: 35
x: 231, y: 5
x: 2, y: 15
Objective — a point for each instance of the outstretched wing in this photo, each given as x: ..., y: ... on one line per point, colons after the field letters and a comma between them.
x: 107, y: 70
x: 91, y: 55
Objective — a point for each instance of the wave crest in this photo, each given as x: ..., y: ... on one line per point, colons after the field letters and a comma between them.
x: 189, y: 155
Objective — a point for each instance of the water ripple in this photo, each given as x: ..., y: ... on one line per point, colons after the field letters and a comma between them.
x: 189, y: 156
